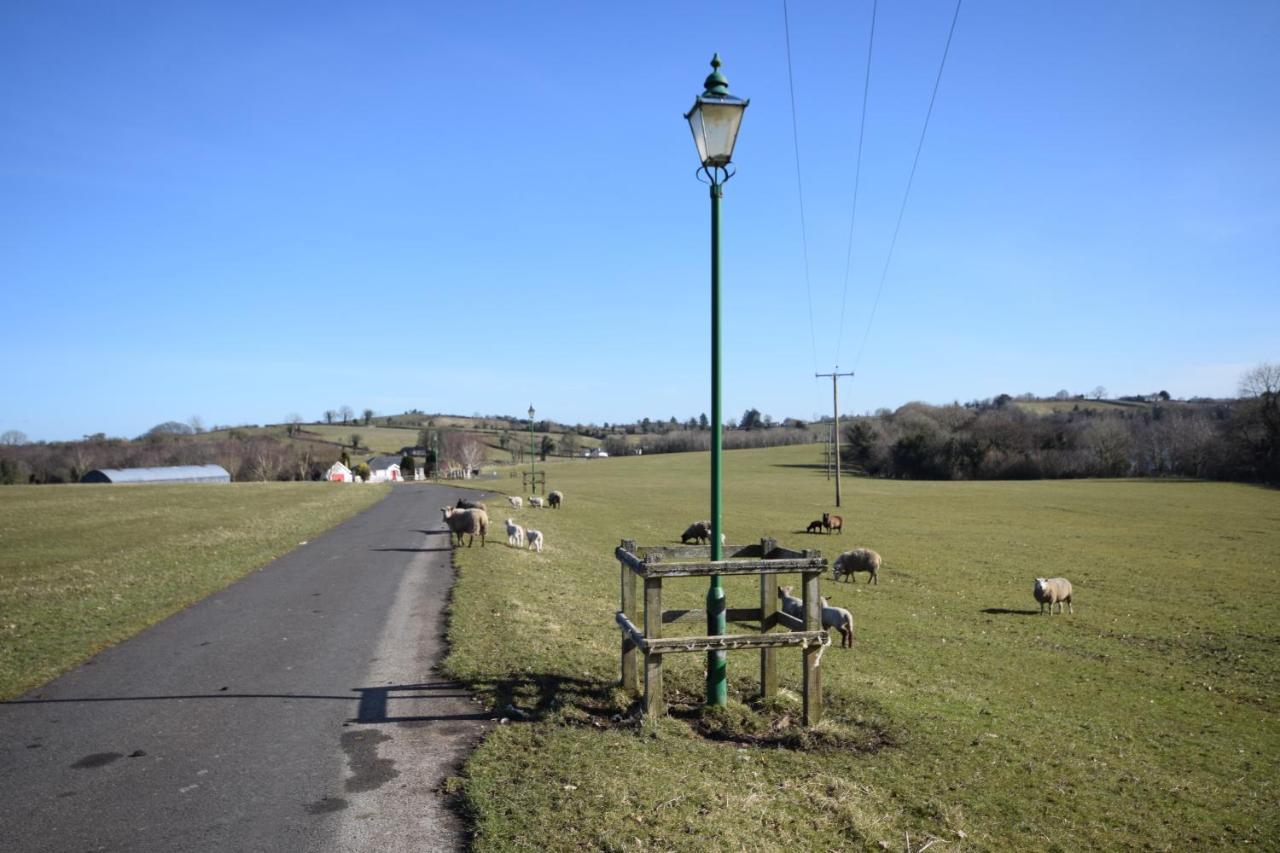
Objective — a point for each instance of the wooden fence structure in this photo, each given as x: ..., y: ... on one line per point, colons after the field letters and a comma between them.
x: 654, y: 564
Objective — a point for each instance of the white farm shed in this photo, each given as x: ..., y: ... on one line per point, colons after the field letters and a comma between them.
x: 171, y: 474
x: 384, y: 468
x: 338, y: 473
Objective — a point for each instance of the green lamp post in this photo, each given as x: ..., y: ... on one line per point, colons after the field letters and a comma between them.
x: 714, y: 119
x: 532, y: 457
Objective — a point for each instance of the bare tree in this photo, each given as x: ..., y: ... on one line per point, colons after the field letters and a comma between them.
x: 329, y: 415
x: 346, y: 413
x: 1259, y: 419
x: 368, y: 416
x: 13, y: 437
x: 470, y: 454
x: 196, y: 423
x: 292, y: 421
x: 1099, y: 392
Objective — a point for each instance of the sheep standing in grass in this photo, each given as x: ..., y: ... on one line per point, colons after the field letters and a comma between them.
x: 833, y: 522
x: 555, y: 498
x: 857, y: 560
x: 832, y: 617
x: 535, y: 539
x: 467, y: 503
x: 515, y: 534
x: 516, y: 501
x: 699, y: 531
x: 534, y: 500
x: 814, y: 527
x: 1053, y: 591
x: 472, y: 522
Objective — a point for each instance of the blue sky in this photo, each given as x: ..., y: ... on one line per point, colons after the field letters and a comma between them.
x: 239, y: 210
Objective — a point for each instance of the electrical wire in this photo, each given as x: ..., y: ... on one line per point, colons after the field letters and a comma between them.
x: 857, y: 177
x: 804, y: 231
x: 884, y: 273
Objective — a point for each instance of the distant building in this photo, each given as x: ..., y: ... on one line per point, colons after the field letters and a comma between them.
x: 338, y: 473
x: 384, y: 468
x: 173, y: 474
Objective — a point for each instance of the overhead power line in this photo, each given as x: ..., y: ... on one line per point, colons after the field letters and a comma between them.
x: 910, y: 179
x: 804, y: 231
x: 857, y: 178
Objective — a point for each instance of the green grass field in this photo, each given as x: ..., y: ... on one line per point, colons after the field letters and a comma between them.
x: 84, y: 567
x: 1146, y: 720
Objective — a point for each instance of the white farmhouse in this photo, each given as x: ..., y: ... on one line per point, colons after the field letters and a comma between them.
x: 384, y: 468
x: 338, y: 473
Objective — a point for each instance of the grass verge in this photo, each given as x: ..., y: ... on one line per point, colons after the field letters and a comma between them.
x: 84, y: 567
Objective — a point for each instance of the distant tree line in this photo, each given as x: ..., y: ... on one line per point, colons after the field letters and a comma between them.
x: 244, y: 456
x: 992, y: 440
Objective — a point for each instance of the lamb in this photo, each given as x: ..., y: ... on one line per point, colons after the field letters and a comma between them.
x: 467, y: 503
x: 515, y: 501
x: 833, y: 522
x: 554, y: 498
x: 832, y: 617
x: 857, y: 560
x: 515, y: 534
x: 534, y: 500
x: 468, y: 521
x: 535, y: 539
x: 1053, y: 591
x: 699, y: 531
x: 814, y: 527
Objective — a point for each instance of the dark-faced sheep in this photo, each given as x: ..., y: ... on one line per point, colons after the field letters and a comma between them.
x: 554, y: 499
x: 832, y: 617
x: 1053, y: 591
x: 699, y: 531
x: 467, y: 503
x: 833, y: 522
x: 814, y: 527
x: 857, y: 560
x: 471, y: 522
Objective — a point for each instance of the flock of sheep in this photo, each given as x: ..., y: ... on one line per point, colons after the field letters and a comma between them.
x: 471, y: 519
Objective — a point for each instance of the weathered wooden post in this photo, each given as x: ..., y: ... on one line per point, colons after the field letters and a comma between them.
x: 630, y: 677
x: 654, y: 704
x: 768, y: 620
x: 812, y: 654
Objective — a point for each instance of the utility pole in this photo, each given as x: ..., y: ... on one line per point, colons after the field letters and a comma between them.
x: 835, y: 408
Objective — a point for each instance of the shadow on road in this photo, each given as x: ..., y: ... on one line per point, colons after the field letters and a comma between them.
x: 374, y: 702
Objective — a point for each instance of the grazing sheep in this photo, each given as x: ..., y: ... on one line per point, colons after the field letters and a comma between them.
x: 814, y: 527
x: 515, y: 501
x: 535, y: 539
x: 467, y: 503
x: 534, y: 500
x: 832, y: 617
x: 515, y: 534
x: 857, y: 560
x: 554, y: 498
x: 1053, y: 591
x: 699, y: 531
x: 472, y: 522
x: 833, y: 522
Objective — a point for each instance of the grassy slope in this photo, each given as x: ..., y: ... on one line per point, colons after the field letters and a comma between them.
x: 1148, y: 717
x: 84, y: 567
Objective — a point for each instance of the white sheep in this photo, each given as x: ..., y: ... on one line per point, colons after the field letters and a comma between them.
x: 472, y: 522
x: 1053, y: 591
x: 515, y: 534
x: 832, y: 617
x: 534, y: 500
x: 534, y: 538
x: 516, y: 501
x: 857, y: 560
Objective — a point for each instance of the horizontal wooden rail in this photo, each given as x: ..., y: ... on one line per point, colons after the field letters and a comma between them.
x: 727, y: 642
x: 732, y: 614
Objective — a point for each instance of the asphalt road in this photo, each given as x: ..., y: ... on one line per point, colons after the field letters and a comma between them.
x: 295, y: 710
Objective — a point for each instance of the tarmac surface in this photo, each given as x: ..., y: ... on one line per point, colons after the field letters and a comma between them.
x: 295, y: 710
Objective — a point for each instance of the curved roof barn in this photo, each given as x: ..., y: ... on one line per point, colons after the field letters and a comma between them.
x: 173, y: 474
